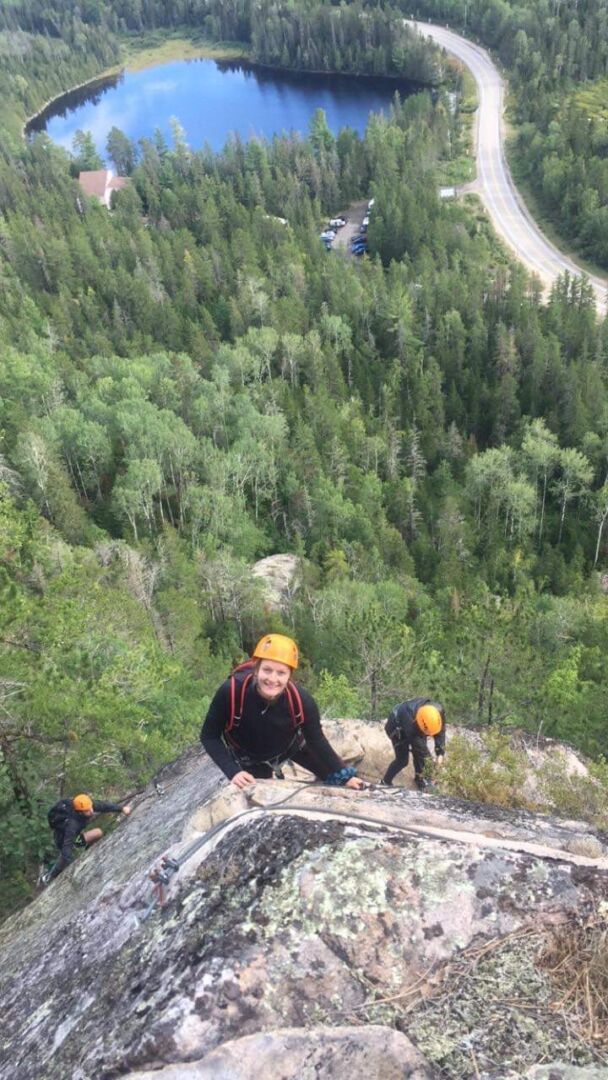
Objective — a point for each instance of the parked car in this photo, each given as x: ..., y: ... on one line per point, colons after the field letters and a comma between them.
x: 365, y: 221
x: 370, y: 204
x: 329, y: 234
x: 337, y: 222
x: 358, y: 246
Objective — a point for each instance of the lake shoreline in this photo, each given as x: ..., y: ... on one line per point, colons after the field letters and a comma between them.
x: 205, y: 52
x: 336, y: 74
x: 178, y: 49
x: 110, y: 73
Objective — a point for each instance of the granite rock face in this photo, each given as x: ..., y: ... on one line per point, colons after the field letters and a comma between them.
x: 341, y: 1053
x: 302, y: 909
x: 279, y: 576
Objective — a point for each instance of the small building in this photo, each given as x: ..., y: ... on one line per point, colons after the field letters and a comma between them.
x: 101, y: 183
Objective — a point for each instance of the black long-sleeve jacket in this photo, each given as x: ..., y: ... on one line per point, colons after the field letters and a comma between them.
x: 265, y: 732
x: 75, y: 823
x: 405, y: 735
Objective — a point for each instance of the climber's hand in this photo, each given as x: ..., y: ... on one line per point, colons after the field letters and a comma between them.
x: 242, y: 779
x: 355, y: 782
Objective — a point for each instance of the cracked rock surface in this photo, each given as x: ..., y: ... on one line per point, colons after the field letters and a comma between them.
x: 319, y: 929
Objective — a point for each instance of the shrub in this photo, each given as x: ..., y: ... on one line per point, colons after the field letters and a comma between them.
x: 485, y: 770
x: 336, y: 697
x: 572, y: 795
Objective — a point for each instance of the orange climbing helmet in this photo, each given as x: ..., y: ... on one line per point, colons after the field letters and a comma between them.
x: 429, y: 719
x: 279, y: 648
x: 82, y: 803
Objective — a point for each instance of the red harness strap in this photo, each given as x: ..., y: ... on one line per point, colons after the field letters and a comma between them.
x: 295, y: 704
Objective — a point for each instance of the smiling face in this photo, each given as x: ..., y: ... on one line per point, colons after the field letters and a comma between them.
x: 272, y: 678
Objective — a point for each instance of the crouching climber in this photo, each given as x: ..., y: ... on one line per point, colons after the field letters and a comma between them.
x: 259, y: 718
x: 68, y: 819
x: 407, y: 727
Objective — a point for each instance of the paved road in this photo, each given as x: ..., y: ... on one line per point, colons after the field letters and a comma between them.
x: 494, y: 183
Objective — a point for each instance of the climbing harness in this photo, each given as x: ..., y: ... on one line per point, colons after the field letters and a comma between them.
x: 245, y: 760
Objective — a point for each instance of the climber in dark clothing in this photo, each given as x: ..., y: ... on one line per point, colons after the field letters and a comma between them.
x: 68, y: 819
x: 276, y: 722
x: 408, y: 727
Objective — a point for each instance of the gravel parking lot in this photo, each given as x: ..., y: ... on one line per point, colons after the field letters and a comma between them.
x: 355, y: 214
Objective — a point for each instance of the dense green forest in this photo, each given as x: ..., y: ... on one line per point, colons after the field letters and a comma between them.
x: 47, y: 49
x: 187, y: 384
x: 556, y: 56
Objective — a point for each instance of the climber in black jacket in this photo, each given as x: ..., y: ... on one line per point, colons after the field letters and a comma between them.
x: 68, y: 819
x: 408, y: 727
x: 259, y: 719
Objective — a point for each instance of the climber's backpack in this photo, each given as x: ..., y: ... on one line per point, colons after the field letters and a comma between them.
x: 240, y: 679
x: 393, y: 728
x: 58, y: 814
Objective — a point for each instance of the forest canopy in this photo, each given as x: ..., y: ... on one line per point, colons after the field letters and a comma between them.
x: 188, y: 384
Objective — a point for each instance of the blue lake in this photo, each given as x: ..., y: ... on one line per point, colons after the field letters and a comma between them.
x: 213, y: 99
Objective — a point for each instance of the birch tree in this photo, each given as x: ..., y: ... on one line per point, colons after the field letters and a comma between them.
x: 541, y: 451
x: 575, y: 476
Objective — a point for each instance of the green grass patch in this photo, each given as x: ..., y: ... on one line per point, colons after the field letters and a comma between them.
x: 470, y: 99
x: 592, y: 100
x: 162, y: 47
x: 460, y: 170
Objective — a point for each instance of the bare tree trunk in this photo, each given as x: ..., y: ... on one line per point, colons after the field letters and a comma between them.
x: 373, y: 695
x: 561, y: 520
x: 542, y: 509
x: 599, y: 535
x: 482, y: 687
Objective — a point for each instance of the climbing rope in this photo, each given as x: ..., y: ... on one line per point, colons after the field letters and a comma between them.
x: 161, y: 876
x: 169, y: 867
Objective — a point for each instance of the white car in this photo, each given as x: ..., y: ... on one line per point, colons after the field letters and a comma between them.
x: 370, y: 204
x: 337, y: 222
x: 329, y: 234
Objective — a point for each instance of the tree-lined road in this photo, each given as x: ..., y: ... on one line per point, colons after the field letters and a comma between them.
x: 494, y: 183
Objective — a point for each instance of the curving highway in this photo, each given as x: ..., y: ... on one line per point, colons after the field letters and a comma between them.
x: 494, y: 183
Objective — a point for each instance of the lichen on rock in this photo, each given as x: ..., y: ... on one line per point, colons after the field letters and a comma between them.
x: 308, y: 908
